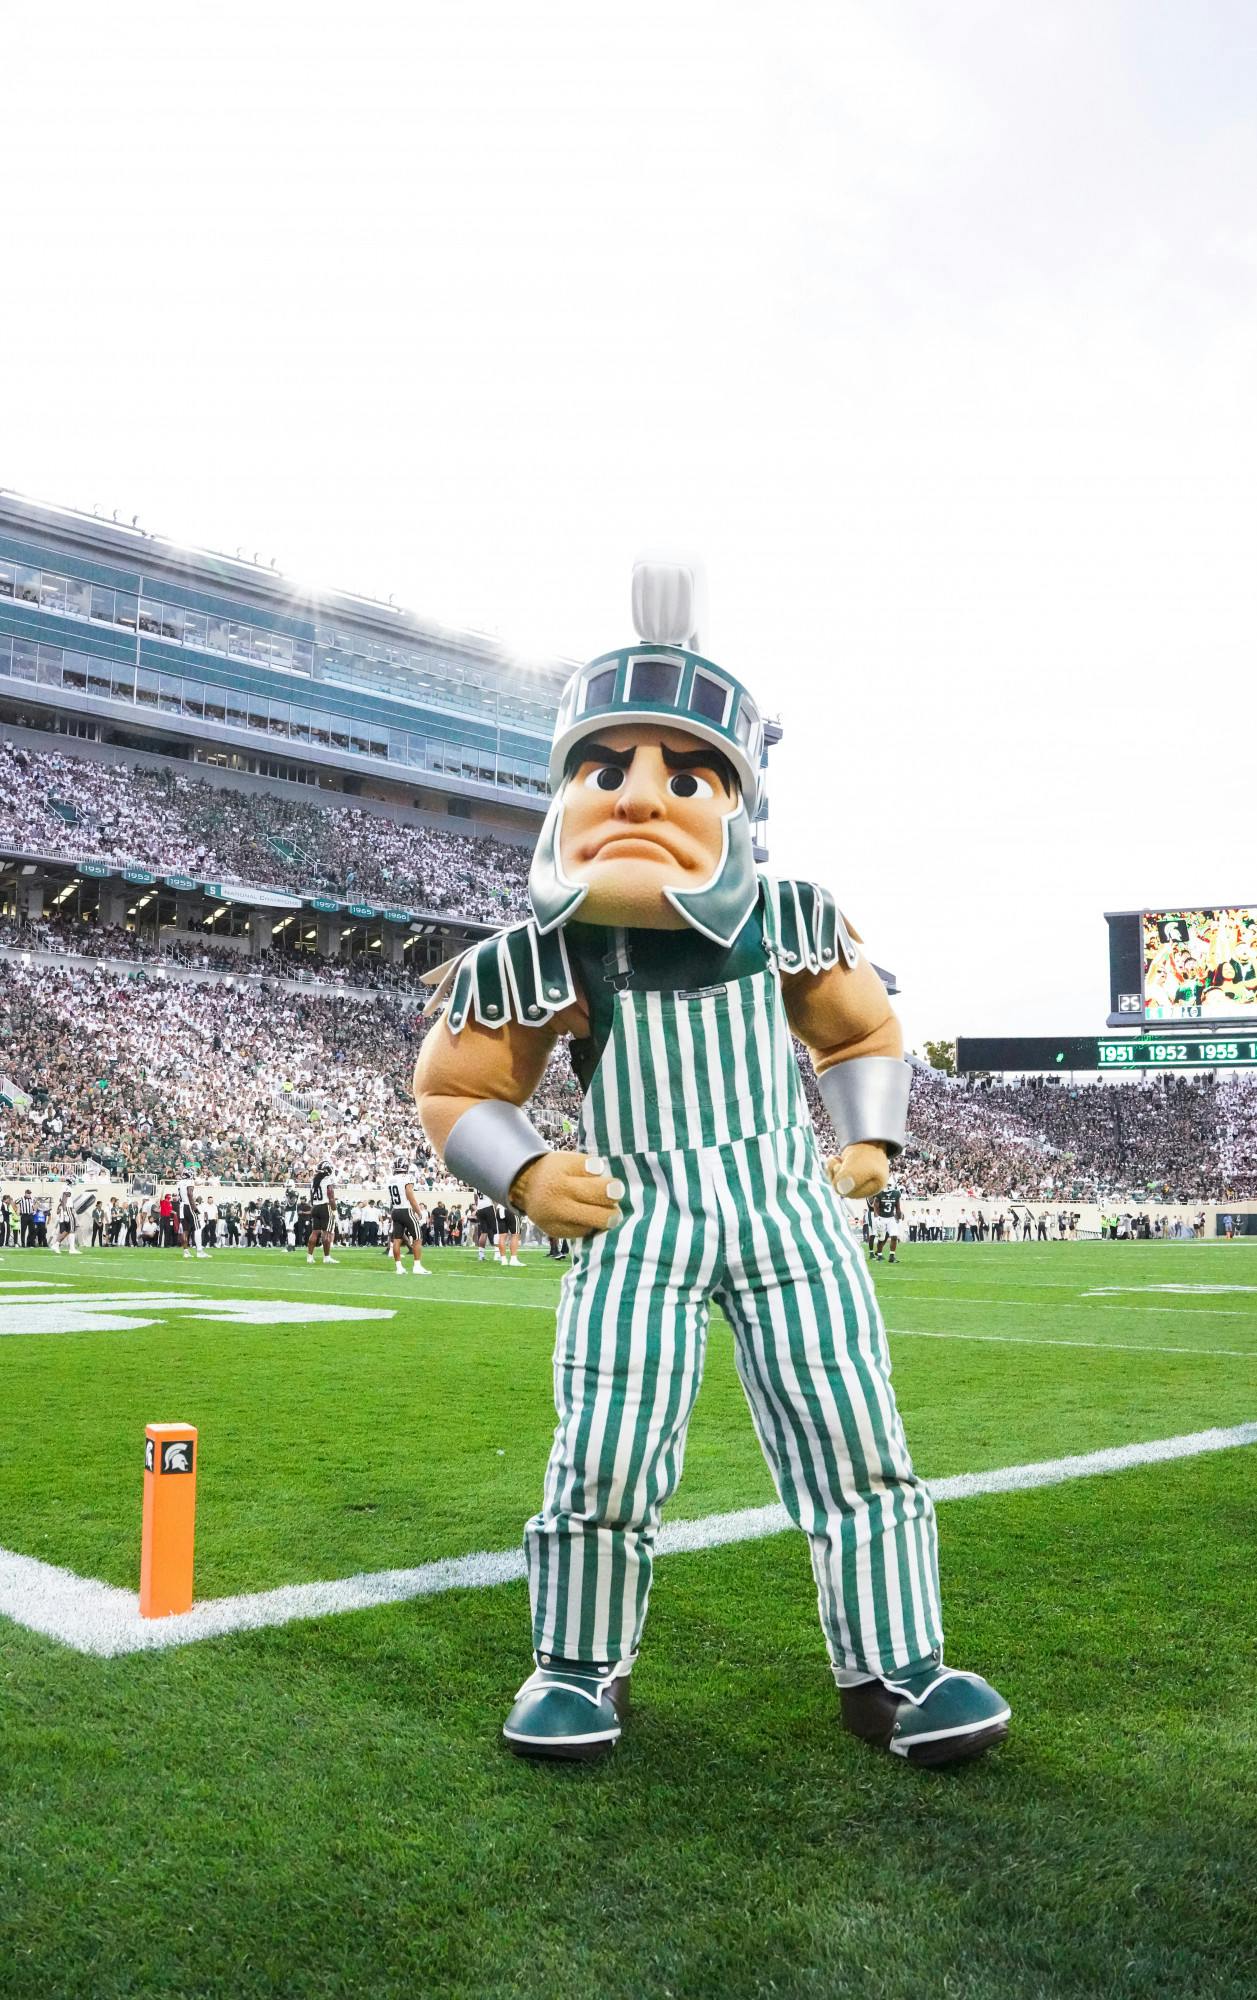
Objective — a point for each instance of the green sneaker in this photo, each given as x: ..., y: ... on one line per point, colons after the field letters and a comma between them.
x: 935, y: 1716
x: 569, y: 1709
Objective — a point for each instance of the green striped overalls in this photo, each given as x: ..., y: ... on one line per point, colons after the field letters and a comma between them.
x: 697, y: 1104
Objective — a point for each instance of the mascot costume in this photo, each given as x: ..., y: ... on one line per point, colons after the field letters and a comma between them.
x: 682, y: 977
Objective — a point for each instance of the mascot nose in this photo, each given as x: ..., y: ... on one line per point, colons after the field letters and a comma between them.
x: 641, y: 796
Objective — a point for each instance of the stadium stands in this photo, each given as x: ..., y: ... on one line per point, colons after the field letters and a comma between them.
x: 147, y: 1075
x: 246, y: 1077
x: 58, y: 804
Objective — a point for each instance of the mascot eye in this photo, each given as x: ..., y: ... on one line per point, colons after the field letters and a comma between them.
x: 688, y: 785
x: 606, y: 777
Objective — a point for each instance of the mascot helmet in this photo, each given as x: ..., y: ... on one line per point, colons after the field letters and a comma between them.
x: 664, y: 679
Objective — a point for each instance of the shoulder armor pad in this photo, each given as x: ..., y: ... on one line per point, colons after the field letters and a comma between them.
x: 807, y: 930
x: 519, y: 975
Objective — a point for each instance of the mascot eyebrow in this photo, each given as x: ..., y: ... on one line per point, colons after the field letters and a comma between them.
x: 676, y: 760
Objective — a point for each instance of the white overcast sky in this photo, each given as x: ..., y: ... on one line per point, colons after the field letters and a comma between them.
x: 933, y: 329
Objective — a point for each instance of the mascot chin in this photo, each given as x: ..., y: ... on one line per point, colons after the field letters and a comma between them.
x: 683, y: 977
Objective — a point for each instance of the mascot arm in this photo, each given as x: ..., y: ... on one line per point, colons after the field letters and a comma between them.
x: 469, y: 1089
x: 853, y: 1037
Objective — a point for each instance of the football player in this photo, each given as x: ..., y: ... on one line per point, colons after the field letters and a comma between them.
x: 409, y: 1214
x: 188, y: 1212
x: 322, y: 1200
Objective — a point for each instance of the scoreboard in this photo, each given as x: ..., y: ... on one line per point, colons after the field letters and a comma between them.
x: 1105, y: 1052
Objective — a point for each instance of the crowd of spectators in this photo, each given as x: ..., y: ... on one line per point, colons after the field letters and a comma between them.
x: 52, y: 802
x: 1158, y: 1138
x: 148, y: 1076
x: 247, y: 1080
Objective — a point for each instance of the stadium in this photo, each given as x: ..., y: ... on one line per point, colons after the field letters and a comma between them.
x: 628, y: 1003
x: 238, y: 829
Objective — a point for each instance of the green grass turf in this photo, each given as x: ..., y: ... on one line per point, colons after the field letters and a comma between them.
x: 326, y: 1808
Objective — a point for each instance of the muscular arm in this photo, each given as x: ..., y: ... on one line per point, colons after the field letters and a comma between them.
x: 840, y: 1015
x: 455, y: 1072
x: 563, y: 1193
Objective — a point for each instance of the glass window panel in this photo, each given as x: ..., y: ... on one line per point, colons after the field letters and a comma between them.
x: 358, y: 739
x: 398, y: 745
x: 279, y: 718
x: 195, y: 628
x: 655, y: 680
x: 215, y: 706
x: 172, y: 621
x: 239, y: 639
x: 52, y: 591
x: 6, y: 654
x: 126, y: 608
x: 339, y: 732
x: 170, y: 693
x: 281, y: 649
x: 257, y: 711
x: 193, y: 698
x: 147, y: 685
x: 416, y: 753
x: 6, y: 579
x: 150, y: 615
x: 98, y: 676
x: 709, y: 697
x: 74, y: 670
x: 303, y: 655
x: 122, y: 683
x: 746, y: 718
x: 237, y: 710
x: 26, y: 583
x: 50, y: 666
x: 599, y: 689
x: 301, y: 725
x: 78, y: 597
x: 102, y: 603
x: 217, y: 635
x: 377, y: 742
x: 320, y: 727
x: 25, y: 655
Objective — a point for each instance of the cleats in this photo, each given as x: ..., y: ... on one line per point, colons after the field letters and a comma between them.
x: 569, y: 1710
x: 935, y: 1716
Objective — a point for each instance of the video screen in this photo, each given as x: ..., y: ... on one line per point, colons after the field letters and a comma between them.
x: 1199, y: 963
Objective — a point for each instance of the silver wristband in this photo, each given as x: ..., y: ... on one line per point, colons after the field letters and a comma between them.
x: 867, y: 1101
x: 489, y: 1145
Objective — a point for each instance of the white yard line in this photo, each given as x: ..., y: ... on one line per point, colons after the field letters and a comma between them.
x: 100, y: 1619
x: 1057, y: 1340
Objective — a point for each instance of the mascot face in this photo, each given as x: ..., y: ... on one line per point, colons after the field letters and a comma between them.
x: 645, y: 811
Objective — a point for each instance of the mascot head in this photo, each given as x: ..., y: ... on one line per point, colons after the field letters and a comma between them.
x: 655, y: 772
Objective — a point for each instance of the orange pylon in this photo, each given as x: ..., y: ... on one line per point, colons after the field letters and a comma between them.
x: 170, y: 1454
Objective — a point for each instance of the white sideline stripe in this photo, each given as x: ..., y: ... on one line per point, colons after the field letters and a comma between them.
x: 100, y: 1619
x: 1096, y: 1346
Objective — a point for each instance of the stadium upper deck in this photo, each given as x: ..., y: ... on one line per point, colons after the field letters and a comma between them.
x: 133, y: 640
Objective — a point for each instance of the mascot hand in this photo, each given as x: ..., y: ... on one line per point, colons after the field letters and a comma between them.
x: 567, y: 1194
x: 859, y: 1171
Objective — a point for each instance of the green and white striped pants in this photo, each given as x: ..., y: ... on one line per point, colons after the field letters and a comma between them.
x: 726, y: 1199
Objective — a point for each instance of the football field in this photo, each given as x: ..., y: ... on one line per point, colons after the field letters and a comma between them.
x: 301, y: 1789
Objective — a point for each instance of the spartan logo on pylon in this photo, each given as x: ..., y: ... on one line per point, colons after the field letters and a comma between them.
x: 177, y: 1457
x: 148, y: 1454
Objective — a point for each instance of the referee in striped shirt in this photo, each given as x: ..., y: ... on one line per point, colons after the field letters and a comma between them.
x: 26, y: 1213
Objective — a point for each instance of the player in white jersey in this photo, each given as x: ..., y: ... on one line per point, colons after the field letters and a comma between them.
x: 322, y: 1204
x: 409, y: 1214
x: 187, y: 1209
x: 65, y: 1225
